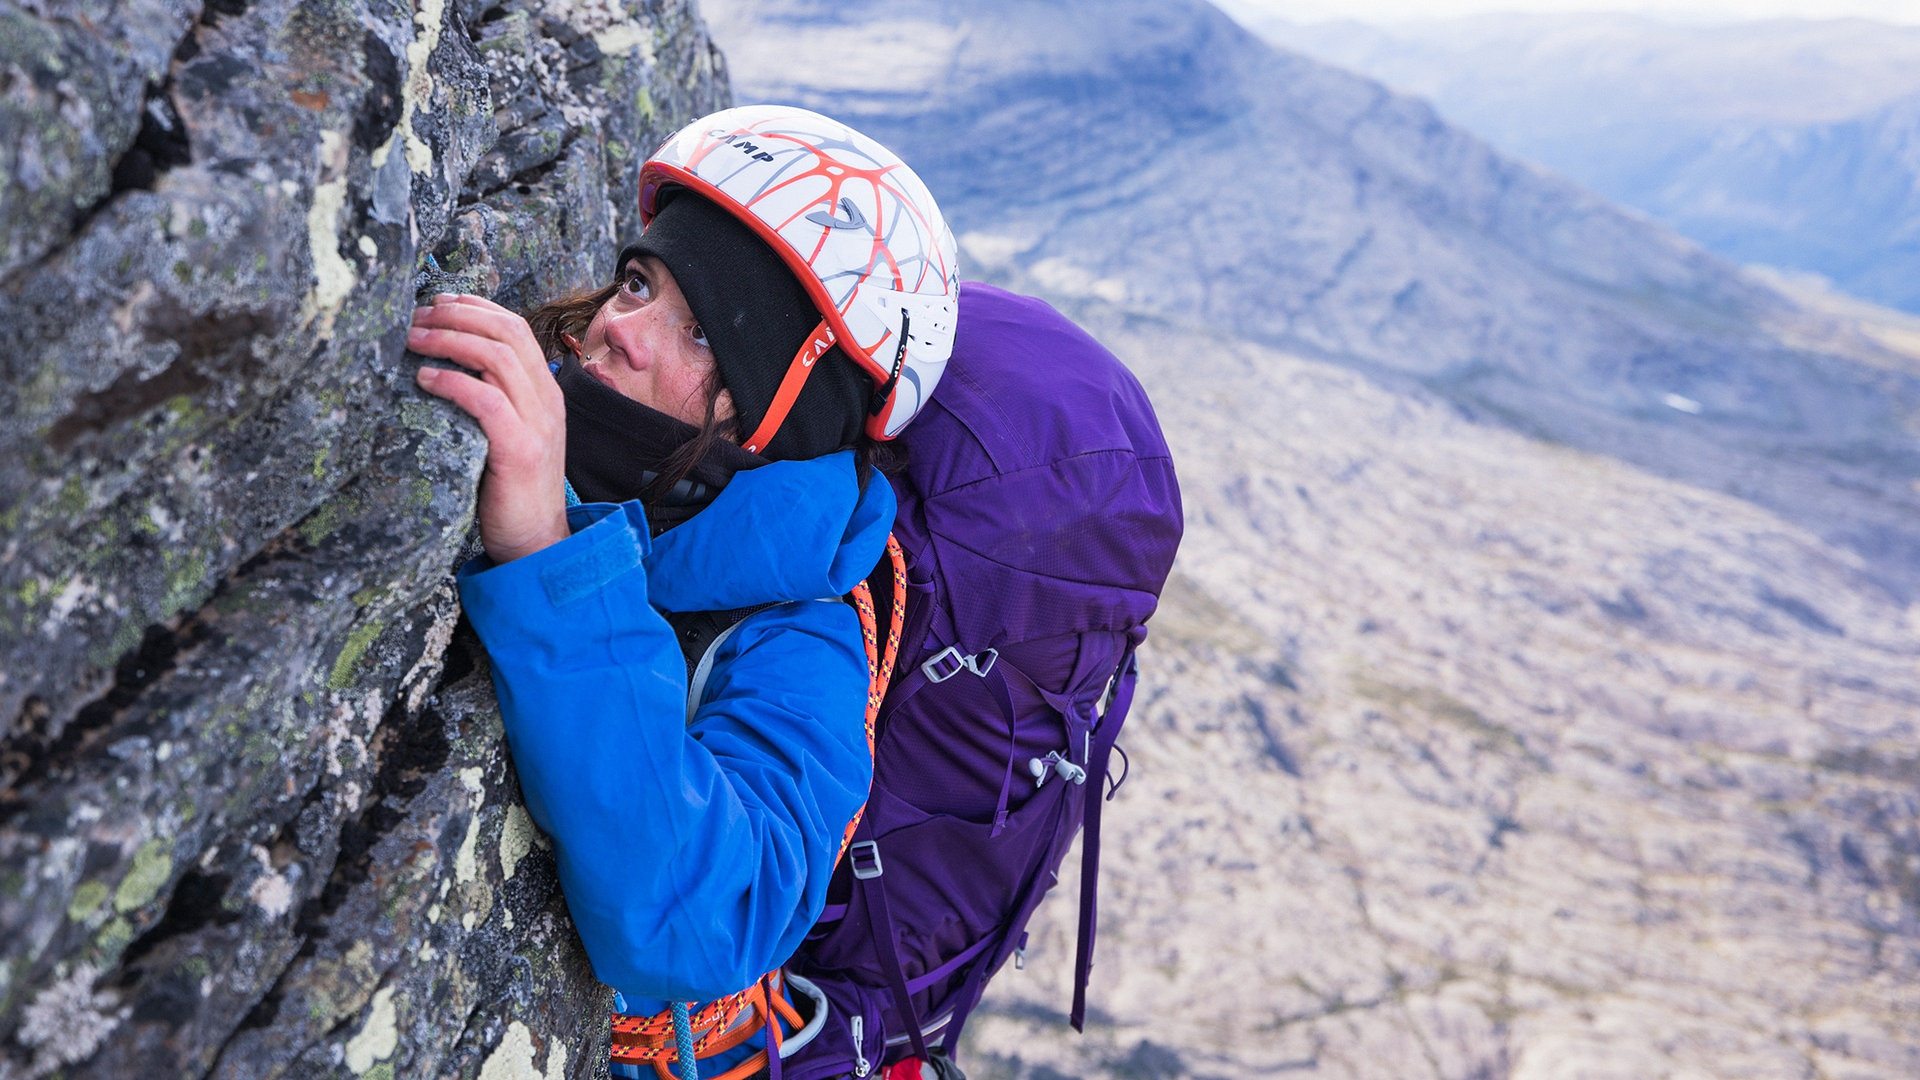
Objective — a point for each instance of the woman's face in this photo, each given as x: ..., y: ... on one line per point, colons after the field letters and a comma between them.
x: 646, y: 344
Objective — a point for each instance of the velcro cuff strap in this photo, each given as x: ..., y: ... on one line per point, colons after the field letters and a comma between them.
x: 581, y: 575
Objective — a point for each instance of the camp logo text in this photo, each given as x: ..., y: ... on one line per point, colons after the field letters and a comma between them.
x: 742, y: 142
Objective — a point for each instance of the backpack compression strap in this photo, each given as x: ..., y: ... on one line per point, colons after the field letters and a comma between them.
x: 719, y: 1027
x: 1103, y: 738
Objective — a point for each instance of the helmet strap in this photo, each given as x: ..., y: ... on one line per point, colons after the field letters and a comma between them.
x: 791, y: 384
x: 884, y: 392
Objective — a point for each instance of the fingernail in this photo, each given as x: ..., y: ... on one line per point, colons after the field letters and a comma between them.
x: 438, y: 297
x: 419, y: 311
x: 414, y: 333
x: 427, y: 374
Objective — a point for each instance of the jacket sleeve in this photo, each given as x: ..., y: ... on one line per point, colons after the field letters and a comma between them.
x: 694, y: 856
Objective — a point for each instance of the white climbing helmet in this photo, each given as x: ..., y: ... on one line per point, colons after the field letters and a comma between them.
x: 856, y: 226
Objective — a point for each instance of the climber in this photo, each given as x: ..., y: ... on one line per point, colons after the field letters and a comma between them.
x: 702, y: 435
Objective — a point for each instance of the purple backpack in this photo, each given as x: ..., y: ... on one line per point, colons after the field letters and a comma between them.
x: 1039, y: 515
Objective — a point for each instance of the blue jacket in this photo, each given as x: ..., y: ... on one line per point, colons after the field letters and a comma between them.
x: 694, y: 855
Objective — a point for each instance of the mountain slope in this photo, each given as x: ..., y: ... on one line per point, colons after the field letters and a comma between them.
x: 1460, y: 756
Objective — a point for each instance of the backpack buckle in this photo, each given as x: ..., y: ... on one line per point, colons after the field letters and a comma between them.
x: 871, y: 851
x: 950, y: 661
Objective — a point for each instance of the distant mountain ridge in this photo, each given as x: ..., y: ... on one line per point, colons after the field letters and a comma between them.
x: 1160, y: 157
x: 1788, y: 142
x: 1842, y: 199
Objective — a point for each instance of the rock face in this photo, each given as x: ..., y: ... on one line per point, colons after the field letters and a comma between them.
x: 255, y: 813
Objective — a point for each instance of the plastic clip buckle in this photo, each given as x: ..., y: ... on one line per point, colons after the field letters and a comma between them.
x: 938, y: 670
x: 872, y: 851
x: 950, y: 661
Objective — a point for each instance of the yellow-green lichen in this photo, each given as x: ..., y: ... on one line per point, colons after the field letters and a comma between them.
x: 87, y: 900
x: 152, y: 865
x: 112, y: 940
x: 184, y: 583
x: 125, y: 636
x: 39, y: 392
x: 73, y: 496
x: 327, y: 519
x: 358, y: 642
x: 262, y: 748
x: 183, y: 409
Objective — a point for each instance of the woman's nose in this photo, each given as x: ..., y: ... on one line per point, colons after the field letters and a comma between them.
x: 636, y: 334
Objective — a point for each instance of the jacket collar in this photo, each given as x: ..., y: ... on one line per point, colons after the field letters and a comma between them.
x: 791, y: 530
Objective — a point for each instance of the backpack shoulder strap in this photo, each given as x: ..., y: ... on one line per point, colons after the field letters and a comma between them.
x: 699, y: 631
x: 697, y: 678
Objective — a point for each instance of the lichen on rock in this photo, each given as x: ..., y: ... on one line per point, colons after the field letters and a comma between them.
x: 243, y: 742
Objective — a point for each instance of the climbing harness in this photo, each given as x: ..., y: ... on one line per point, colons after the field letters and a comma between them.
x: 662, y: 1040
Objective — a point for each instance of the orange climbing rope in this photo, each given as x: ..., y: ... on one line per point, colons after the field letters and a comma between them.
x: 879, y: 663
x: 730, y: 1021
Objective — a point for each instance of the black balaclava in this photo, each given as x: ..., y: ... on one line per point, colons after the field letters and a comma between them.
x: 617, y: 446
x: 756, y: 316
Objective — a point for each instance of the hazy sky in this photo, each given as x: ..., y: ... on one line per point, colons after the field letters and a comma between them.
x: 1903, y: 11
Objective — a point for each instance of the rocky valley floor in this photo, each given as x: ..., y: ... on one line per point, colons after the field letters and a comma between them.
x: 1461, y: 754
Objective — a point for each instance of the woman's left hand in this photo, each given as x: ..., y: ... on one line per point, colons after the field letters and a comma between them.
x: 523, y: 505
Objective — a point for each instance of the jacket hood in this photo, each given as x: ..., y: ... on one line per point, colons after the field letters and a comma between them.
x: 791, y: 530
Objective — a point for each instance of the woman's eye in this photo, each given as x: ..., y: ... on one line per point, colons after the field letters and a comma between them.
x: 636, y: 286
x: 700, y: 336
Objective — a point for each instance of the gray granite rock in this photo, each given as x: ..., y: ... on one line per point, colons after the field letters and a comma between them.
x: 256, y: 818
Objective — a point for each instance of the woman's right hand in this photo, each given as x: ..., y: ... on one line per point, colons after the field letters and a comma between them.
x: 523, y: 505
